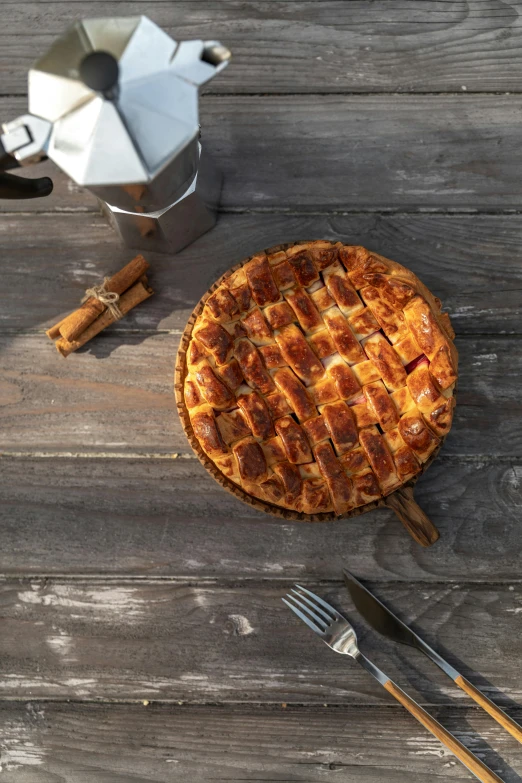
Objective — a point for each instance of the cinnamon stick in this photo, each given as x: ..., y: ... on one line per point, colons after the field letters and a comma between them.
x: 136, y: 294
x: 73, y: 325
x: 54, y: 331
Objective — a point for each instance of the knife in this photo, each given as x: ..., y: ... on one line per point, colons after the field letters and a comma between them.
x: 384, y: 621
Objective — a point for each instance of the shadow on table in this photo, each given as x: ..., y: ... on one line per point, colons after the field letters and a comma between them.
x: 486, y: 753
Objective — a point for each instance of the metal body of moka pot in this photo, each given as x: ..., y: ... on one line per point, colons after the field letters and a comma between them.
x: 114, y: 103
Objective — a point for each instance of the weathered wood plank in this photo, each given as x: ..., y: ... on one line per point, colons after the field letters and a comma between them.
x: 414, y: 46
x: 156, y: 517
x: 109, y: 640
x: 87, y: 403
x: 471, y: 262
x: 59, y: 743
x: 357, y: 153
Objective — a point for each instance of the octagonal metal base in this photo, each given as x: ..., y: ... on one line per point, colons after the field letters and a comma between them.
x: 171, y: 229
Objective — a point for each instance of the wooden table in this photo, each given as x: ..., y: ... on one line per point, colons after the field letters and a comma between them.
x: 142, y: 633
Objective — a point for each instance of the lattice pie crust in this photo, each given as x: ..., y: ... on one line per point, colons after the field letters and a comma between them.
x: 320, y: 378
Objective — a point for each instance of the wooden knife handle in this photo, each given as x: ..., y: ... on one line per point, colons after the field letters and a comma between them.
x: 418, y: 525
x: 475, y: 765
x: 499, y: 715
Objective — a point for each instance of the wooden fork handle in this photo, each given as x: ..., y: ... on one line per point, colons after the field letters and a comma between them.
x: 499, y: 715
x: 418, y: 525
x: 475, y: 765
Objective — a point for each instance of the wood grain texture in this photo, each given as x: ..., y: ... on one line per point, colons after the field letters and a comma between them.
x: 228, y: 642
x: 346, y: 153
x: 414, y: 46
x: 472, y: 262
x: 492, y: 709
x: 169, y: 518
x: 116, y: 395
x: 415, y: 520
x: 460, y: 751
x: 71, y: 743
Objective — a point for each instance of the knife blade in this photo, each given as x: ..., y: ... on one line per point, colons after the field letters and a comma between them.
x: 383, y: 620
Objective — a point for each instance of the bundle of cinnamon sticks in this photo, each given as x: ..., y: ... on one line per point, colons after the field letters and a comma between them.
x: 76, y: 329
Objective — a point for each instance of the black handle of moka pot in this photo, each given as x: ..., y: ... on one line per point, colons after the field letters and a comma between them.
x: 13, y: 187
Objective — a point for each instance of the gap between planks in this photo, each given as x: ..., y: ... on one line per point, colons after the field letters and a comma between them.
x: 334, y: 93
x: 136, y: 455
x: 228, y: 582
x: 301, y: 212
x: 246, y: 706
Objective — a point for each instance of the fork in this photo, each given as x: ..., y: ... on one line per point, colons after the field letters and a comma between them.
x: 338, y: 634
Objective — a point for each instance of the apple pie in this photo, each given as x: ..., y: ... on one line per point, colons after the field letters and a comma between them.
x: 317, y: 378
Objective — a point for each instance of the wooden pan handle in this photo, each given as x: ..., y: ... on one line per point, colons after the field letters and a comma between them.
x: 418, y: 525
x: 475, y: 765
x: 499, y: 715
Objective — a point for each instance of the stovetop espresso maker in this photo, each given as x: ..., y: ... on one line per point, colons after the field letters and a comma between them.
x: 114, y: 103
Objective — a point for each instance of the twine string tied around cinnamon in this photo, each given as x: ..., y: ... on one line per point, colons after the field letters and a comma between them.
x: 107, y: 298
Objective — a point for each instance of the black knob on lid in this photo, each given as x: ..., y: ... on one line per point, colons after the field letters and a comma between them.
x: 100, y: 72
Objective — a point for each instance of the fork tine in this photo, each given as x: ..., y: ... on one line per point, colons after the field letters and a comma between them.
x: 304, y: 618
x: 314, y: 606
x: 334, y: 614
x: 315, y: 617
